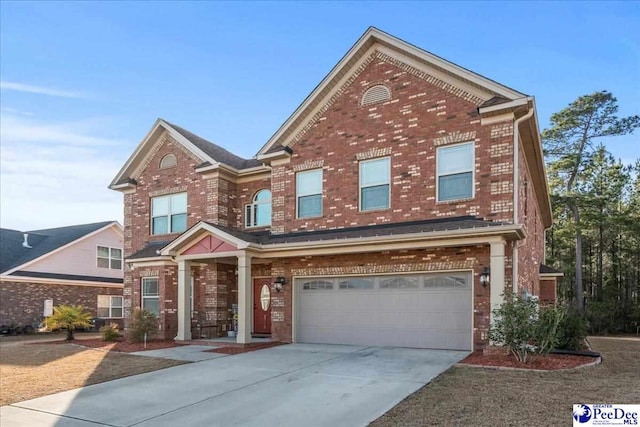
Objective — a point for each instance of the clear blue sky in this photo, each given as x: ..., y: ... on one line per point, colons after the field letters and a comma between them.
x: 82, y: 83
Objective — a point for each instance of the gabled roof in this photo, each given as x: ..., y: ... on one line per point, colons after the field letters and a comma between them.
x: 215, y: 151
x: 209, y: 153
x: 13, y: 254
x: 374, y: 37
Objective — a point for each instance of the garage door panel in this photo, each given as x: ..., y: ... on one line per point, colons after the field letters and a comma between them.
x: 394, y: 312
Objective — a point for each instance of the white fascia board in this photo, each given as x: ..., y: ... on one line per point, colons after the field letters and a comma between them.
x: 61, y: 248
x: 5, y: 278
x: 506, y: 105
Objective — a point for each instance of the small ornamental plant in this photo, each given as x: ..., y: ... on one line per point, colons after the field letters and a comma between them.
x: 524, y: 328
x: 69, y: 317
x: 110, y: 332
x: 141, y: 323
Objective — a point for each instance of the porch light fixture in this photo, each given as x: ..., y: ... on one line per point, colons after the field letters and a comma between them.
x: 279, y: 283
x: 485, y: 277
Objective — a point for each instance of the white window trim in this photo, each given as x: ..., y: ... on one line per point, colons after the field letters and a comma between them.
x: 110, y: 257
x: 143, y: 297
x: 298, y: 195
x: 473, y: 172
x: 111, y: 306
x: 360, y: 187
x: 169, y: 214
x: 252, y: 207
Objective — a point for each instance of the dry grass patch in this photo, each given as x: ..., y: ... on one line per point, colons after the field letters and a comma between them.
x: 467, y: 396
x: 28, y: 371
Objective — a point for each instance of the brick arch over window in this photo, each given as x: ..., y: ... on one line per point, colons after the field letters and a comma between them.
x: 258, y: 213
x: 168, y: 161
x: 375, y: 94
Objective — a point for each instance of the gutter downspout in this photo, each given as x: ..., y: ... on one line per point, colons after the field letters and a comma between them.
x: 516, y: 190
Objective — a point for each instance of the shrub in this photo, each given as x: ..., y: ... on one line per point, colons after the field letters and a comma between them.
x: 547, y: 329
x: 69, y: 317
x: 572, y: 331
x: 110, y: 332
x: 142, y: 322
x: 518, y: 325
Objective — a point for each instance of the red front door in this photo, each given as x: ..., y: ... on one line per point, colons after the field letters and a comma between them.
x: 261, y: 306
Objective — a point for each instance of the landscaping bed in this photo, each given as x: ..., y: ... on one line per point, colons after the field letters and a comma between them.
x: 549, y: 362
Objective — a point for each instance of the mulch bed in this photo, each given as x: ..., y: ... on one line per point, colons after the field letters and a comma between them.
x: 237, y: 349
x: 550, y: 362
x: 121, y: 345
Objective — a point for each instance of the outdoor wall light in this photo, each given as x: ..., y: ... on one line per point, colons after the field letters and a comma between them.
x: 485, y: 277
x: 279, y: 283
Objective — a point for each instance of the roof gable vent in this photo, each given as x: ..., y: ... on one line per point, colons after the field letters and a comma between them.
x: 375, y: 94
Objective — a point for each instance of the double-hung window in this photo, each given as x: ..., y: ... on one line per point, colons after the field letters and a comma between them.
x: 151, y: 295
x: 109, y: 257
x: 309, y: 193
x: 258, y: 213
x: 375, y: 176
x: 455, y: 172
x: 109, y: 306
x: 169, y: 214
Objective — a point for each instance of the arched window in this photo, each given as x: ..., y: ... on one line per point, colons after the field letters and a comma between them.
x: 168, y: 161
x: 258, y: 213
x: 375, y: 94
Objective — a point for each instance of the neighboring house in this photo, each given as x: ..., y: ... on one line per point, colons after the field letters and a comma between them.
x: 382, y: 212
x: 79, y: 265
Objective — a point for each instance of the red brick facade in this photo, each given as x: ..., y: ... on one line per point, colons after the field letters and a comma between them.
x: 22, y: 303
x: 424, y: 113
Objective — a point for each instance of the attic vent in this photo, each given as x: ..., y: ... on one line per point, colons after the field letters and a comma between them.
x: 376, y: 94
x: 168, y: 161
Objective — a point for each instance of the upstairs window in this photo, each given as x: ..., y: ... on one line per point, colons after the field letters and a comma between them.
x: 169, y: 214
x: 258, y: 213
x: 375, y: 176
x: 109, y: 258
x: 168, y: 161
x: 455, y: 172
x: 309, y: 193
x: 109, y: 307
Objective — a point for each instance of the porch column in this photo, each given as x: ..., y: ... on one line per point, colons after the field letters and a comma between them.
x: 184, y: 301
x: 245, y: 303
x: 497, y: 275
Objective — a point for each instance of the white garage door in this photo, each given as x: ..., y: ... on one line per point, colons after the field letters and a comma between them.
x: 413, y: 310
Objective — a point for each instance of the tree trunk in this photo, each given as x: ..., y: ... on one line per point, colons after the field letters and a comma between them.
x: 578, y: 287
x: 70, y: 334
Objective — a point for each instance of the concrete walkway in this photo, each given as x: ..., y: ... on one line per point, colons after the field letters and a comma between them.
x: 291, y: 385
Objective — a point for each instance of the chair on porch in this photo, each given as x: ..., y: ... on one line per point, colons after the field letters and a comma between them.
x: 204, y: 328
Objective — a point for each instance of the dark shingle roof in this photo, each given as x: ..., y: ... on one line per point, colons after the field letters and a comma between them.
x: 150, y: 250
x: 216, y: 152
x: 68, y: 277
x: 426, y: 226
x: 545, y: 269
x: 498, y: 99
x: 13, y: 254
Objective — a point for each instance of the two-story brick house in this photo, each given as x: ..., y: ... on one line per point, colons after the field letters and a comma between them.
x: 382, y: 212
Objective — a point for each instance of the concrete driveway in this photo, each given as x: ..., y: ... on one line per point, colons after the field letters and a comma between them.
x: 298, y: 384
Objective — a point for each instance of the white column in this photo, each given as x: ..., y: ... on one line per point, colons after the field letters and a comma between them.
x: 184, y: 301
x: 245, y: 303
x: 497, y: 275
